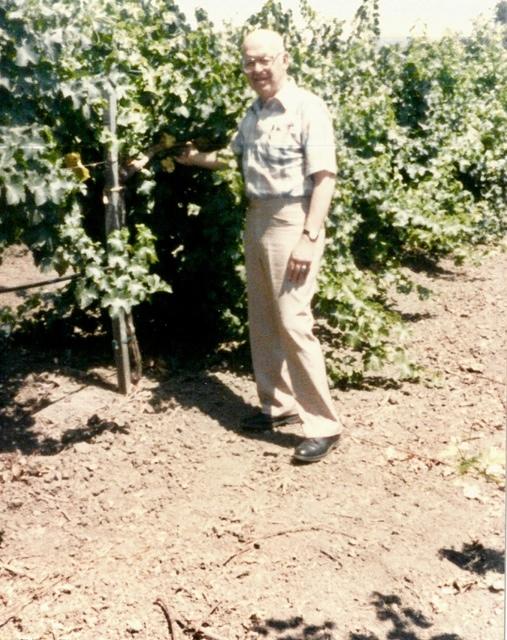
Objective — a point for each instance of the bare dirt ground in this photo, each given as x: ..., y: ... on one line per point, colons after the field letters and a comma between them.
x: 115, y: 509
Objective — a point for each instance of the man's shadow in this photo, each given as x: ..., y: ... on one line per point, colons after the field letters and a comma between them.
x: 218, y: 401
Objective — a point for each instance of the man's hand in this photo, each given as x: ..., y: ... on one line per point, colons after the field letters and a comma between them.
x: 300, y: 261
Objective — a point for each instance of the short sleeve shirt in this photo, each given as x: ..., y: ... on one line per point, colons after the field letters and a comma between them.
x: 283, y: 141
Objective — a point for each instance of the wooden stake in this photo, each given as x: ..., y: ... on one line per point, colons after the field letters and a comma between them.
x: 135, y: 352
x: 115, y: 219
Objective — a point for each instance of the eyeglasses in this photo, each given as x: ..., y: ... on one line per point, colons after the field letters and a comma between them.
x: 264, y: 62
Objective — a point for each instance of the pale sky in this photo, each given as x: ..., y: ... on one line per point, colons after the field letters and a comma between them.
x: 398, y: 17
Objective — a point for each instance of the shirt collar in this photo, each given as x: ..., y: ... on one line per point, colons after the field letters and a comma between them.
x: 283, y: 96
x: 285, y: 93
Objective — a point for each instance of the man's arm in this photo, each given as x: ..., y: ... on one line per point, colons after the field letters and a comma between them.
x: 304, y: 251
x: 213, y: 160
x: 322, y: 194
x: 136, y: 164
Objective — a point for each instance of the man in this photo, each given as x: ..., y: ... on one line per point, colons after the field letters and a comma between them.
x: 285, y: 147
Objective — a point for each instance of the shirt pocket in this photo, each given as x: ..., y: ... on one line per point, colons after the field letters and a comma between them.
x: 283, y: 145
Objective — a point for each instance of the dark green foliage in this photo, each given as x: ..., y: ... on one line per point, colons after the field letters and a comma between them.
x: 421, y: 134
x: 501, y: 12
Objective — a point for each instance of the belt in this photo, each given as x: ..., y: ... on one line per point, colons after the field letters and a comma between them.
x: 259, y: 202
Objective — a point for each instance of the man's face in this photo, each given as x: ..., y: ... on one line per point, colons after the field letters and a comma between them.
x: 265, y: 66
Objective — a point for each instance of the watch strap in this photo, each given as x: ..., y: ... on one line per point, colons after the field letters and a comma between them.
x: 312, y: 236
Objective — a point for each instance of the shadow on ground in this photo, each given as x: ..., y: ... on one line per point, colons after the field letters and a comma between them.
x: 476, y: 558
x: 17, y: 416
x: 191, y: 388
x: 207, y: 393
x: 294, y: 629
x: 405, y: 624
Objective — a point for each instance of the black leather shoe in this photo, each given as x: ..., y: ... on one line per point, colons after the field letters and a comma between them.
x: 314, y: 449
x: 263, y: 422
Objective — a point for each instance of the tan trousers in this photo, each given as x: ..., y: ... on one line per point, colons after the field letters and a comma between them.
x: 287, y: 359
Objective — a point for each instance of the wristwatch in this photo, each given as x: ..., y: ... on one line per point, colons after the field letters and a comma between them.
x: 313, y: 236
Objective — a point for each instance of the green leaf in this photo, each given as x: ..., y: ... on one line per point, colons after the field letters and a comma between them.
x: 25, y: 55
x: 115, y: 305
x: 14, y: 192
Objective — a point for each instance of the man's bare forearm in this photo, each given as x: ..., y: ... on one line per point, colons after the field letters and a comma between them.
x: 322, y: 194
x: 213, y: 160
